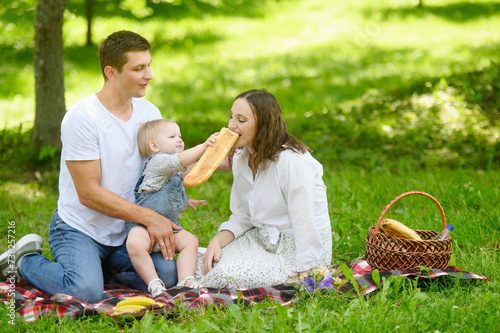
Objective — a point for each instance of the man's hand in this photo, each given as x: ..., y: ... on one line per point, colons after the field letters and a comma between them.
x: 160, y: 230
x: 87, y: 176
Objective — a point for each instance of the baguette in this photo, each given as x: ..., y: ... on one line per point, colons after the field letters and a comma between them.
x: 398, y: 229
x: 211, y: 158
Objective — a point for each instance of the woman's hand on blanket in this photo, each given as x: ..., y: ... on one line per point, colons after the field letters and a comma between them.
x: 212, y: 254
x: 214, y: 249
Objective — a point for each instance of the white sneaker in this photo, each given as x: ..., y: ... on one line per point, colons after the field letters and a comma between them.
x: 8, y: 260
x: 194, y: 285
x: 155, y: 287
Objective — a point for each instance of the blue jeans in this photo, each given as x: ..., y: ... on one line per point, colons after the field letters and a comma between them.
x: 81, y: 266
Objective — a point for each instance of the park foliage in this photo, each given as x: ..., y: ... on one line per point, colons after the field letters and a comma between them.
x: 391, y: 97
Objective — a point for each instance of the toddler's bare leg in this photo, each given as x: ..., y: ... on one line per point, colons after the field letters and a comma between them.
x: 138, y: 242
x: 187, y: 247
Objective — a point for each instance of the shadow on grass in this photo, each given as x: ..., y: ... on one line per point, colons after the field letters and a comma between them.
x: 447, y: 283
x: 171, y: 10
x: 345, y: 108
x: 24, y: 11
x: 23, y: 14
x: 359, y: 110
x: 457, y: 12
x: 11, y: 83
x: 344, y: 99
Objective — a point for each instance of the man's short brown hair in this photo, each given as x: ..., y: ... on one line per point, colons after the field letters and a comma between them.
x: 112, y: 50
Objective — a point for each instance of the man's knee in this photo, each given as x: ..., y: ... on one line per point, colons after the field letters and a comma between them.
x: 86, y: 290
x: 166, y: 269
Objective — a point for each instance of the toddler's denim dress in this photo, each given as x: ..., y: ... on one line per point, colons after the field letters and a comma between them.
x: 169, y: 200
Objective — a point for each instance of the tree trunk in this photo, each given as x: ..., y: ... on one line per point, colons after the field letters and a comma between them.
x: 90, y: 14
x: 49, y: 76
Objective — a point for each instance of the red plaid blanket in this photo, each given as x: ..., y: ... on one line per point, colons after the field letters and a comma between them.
x: 31, y: 303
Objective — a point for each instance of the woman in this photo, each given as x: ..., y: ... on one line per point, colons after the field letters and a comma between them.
x: 279, y: 227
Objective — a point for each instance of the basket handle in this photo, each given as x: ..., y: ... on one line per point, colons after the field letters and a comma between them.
x: 377, y: 228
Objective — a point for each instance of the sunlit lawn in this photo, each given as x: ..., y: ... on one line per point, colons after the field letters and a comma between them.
x: 313, y: 54
x: 383, y: 93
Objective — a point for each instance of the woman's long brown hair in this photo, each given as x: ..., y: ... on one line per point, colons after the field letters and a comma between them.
x: 272, y: 135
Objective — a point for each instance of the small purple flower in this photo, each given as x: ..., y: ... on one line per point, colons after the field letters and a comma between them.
x: 319, y: 278
x: 326, y: 282
x: 309, y: 283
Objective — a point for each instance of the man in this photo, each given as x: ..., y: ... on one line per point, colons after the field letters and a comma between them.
x: 100, y: 164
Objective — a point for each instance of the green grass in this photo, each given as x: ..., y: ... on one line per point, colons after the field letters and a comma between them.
x: 391, y: 98
x: 357, y: 197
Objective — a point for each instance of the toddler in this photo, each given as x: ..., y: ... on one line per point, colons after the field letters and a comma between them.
x: 161, y: 188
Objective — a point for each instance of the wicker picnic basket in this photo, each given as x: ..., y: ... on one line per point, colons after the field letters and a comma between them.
x: 385, y: 252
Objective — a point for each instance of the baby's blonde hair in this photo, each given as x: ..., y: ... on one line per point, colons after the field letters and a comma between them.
x: 147, y: 132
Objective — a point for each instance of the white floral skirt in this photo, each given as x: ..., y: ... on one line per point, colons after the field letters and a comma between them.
x: 251, y: 261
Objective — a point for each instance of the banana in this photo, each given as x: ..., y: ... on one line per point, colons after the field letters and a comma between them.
x: 128, y: 308
x: 134, y: 304
x: 398, y: 229
x: 143, y: 301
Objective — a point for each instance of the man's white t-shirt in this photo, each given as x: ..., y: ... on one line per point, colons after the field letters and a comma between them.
x: 90, y: 132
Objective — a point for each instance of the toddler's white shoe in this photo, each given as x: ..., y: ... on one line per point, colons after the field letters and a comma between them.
x: 155, y: 287
x: 194, y: 285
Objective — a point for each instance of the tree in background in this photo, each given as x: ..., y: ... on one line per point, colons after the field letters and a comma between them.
x: 49, y: 76
x: 89, y: 11
x: 48, y: 58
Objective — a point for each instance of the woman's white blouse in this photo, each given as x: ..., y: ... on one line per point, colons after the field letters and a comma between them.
x: 288, y: 196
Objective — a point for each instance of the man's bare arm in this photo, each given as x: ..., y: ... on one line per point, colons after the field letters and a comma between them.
x: 87, y: 176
